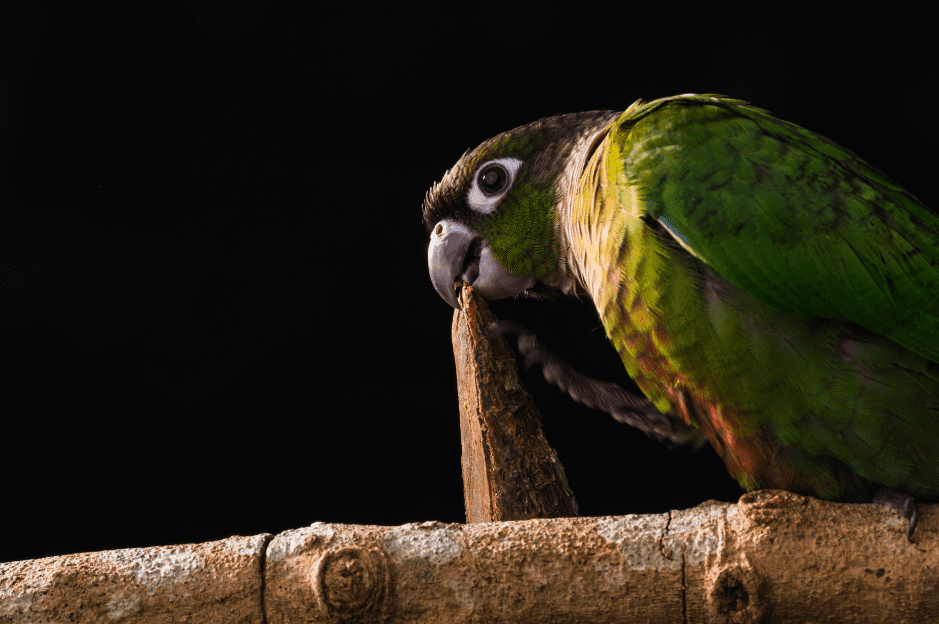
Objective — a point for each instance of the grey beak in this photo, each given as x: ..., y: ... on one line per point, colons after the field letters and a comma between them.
x: 457, y: 252
x: 449, y: 244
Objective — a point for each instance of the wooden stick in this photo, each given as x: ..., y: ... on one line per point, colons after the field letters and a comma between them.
x: 510, y: 472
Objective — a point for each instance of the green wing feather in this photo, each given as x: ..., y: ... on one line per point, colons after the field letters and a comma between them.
x: 796, y: 244
x: 797, y: 221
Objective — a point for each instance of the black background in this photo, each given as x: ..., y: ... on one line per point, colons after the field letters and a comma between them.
x: 215, y: 314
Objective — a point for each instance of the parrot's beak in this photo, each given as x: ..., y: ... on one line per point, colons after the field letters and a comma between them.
x: 449, y: 245
x: 457, y: 253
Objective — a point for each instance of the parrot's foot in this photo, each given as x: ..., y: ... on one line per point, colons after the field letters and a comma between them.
x: 625, y: 407
x: 901, y: 502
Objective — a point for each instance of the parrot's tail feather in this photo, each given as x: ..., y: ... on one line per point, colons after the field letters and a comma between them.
x: 603, y: 395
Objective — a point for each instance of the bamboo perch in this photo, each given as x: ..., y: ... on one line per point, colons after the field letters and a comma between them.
x: 772, y: 557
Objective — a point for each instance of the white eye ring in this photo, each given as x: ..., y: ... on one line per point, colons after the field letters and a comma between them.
x: 482, y: 202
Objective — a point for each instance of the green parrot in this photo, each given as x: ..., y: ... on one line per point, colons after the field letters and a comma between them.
x: 767, y: 289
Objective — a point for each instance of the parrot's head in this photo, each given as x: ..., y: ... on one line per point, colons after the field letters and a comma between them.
x: 493, y: 219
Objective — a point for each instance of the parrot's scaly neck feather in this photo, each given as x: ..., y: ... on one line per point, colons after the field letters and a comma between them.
x: 570, y: 281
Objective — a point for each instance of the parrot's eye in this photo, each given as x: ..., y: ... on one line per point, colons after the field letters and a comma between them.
x: 493, y: 178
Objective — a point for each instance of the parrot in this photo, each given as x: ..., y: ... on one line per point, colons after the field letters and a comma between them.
x: 769, y: 291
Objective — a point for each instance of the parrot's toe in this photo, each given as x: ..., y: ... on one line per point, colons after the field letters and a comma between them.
x: 901, y: 502
x: 622, y: 405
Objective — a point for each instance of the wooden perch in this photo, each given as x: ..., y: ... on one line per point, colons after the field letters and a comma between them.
x: 772, y: 557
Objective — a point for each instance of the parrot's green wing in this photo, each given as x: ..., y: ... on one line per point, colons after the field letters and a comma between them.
x: 796, y: 221
x: 799, y: 327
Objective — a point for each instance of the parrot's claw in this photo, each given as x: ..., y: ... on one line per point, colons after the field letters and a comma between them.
x: 625, y: 407
x: 901, y: 502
